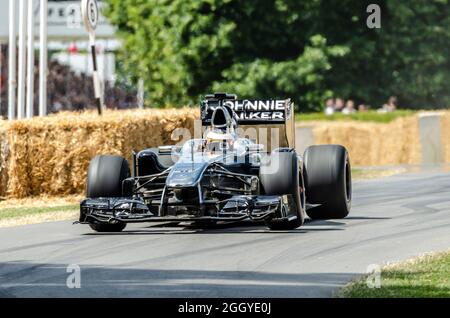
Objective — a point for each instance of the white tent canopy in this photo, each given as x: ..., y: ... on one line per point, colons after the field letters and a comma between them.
x: 64, y: 22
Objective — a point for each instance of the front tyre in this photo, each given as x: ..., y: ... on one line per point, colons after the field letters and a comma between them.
x: 107, y: 227
x: 281, y: 176
x: 105, y: 177
x: 328, y: 181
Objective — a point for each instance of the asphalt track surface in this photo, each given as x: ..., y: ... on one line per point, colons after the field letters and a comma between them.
x: 392, y: 219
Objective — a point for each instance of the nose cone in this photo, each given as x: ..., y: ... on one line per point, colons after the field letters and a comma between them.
x: 185, y: 175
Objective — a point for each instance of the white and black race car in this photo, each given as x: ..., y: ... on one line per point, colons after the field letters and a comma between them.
x: 225, y: 176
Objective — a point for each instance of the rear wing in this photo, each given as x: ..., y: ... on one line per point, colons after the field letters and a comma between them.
x: 275, y: 116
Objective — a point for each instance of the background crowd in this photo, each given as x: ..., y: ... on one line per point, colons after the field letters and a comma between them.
x: 339, y: 105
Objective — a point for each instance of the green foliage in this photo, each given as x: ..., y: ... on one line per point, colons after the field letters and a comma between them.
x: 418, y: 54
x: 409, y: 57
x: 370, y: 116
x: 300, y: 78
x: 307, y: 50
x: 183, y: 49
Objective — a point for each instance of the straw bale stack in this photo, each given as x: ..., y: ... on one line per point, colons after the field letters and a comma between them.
x: 374, y: 143
x: 445, y: 135
x: 50, y: 155
x: 4, y: 151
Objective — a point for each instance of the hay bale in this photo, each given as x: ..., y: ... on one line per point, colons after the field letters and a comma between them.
x: 445, y: 135
x: 50, y: 155
x: 4, y: 154
x: 372, y: 144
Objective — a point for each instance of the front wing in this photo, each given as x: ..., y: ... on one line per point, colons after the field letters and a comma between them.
x: 236, y: 208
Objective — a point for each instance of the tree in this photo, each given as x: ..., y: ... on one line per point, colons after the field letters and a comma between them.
x: 416, y: 52
x: 407, y: 57
x: 304, y: 49
x: 186, y: 48
x: 300, y: 78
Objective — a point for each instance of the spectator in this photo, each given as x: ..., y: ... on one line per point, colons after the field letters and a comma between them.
x: 329, y: 106
x: 339, y: 104
x: 349, y: 107
x: 390, y: 106
x: 362, y: 108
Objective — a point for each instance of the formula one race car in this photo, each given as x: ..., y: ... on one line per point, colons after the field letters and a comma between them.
x: 232, y: 173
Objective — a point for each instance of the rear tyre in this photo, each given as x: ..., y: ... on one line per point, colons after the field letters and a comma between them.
x: 105, y: 177
x: 281, y: 176
x: 328, y: 181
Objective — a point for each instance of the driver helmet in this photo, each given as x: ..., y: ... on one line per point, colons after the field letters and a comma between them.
x: 218, y: 140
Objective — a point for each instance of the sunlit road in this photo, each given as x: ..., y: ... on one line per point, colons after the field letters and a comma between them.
x: 392, y: 219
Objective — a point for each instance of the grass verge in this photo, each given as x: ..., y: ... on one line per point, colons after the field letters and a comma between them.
x: 7, y: 213
x: 16, y: 212
x: 426, y: 276
x: 370, y: 116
